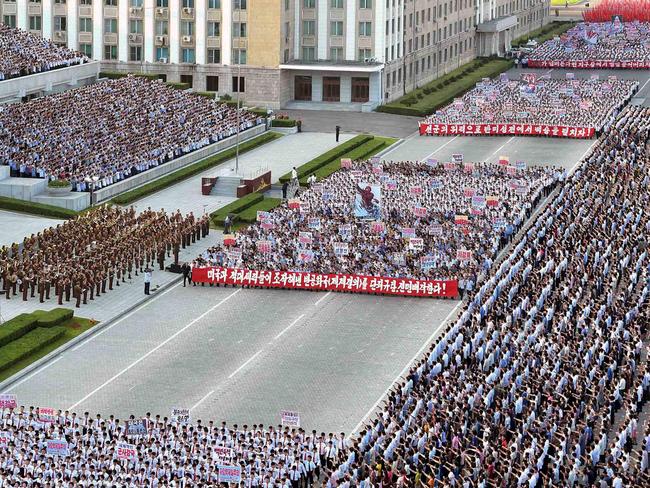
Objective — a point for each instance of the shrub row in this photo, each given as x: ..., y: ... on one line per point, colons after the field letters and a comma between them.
x: 545, y: 33
x: 24, y: 323
x: 283, y: 123
x: 29, y: 344
x: 184, y: 173
x: 36, y: 208
x: 250, y: 214
x: 327, y: 157
x: 236, y: 208
x: 116, y: 75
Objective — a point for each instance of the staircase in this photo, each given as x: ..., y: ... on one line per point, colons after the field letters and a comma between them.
x: 226, y: 186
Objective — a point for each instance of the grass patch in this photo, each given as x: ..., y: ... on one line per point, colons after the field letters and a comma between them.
x: 250, y: 214
x: 283, y: 123
x: 546, y: 33
x: 34, y: 208
x: 51, y: 330
x: 235, y: 208
x: 441, y: 91
x: 170, y: 179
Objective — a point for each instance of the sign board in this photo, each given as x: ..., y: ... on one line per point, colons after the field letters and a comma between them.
x: 181, y: 415
x: 463, y: 254
x: 229, y: 474
x: 136, y: 427
x: 7, y: 400
x: 457, y: 158
x: 57, y: 447
x: 346, y: 163
x: 223, y: 452
x: 126, y: 451
x: 289, y: 418
x: 5, y: 439
x: 416, y: 243
x: 46, y: 414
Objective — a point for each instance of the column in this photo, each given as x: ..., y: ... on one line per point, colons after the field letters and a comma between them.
x: 122, y: 30
x: 322, y: 29
x: 375, y: 87
x: 21, y: 14
x: 46, y: 9
x: 200, y: 24
x: 175, y: 30
x: 316, y: 88
x: 98, y: 30
x: 296, y: 30
x: 226, y: 33
x: 351, y: 30
x: 379, y: 31
x: 73, y: 24
x: 149, y: 31
x: 346, y: 88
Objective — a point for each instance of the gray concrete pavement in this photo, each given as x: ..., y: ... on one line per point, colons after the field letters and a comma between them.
x: 15, y: 226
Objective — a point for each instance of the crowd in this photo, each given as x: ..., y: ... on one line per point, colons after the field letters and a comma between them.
x: 99, y: 249
x: 451, y: 207
x: 23, y: 53
x: 111, y: 130
x: 523, y: 388
x: 541, y: 101
x: 613, y: 41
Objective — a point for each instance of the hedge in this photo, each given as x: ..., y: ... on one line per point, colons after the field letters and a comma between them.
x: 36, y: 208
x: 51, y: 318
x: 327, y: 157
x: 250, y: 214
x: 28, y: 344
x: 184, y: 173
x: 283, y: 123
x: 236, y: 207
x: 26, y: 322
x: 549, y: 31
x: 116, y: 75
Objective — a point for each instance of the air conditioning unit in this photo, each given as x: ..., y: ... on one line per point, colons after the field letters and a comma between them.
x: 188, y: 10
x: 59, y: 35
x: 160, y: 11
x: 135, y: 10
x: 187, y: 38
x: 133, y: 37
x: 160, y: 40
x: 162, y: 60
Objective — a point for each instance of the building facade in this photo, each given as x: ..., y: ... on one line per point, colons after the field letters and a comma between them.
x: 277, y: 53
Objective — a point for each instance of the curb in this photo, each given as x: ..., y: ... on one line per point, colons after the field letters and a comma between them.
x: 80, y: 338
x: 390, y: 148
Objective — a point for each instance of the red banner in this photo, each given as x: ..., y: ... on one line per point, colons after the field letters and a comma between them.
x: 430, y: 129
x: 326, y: 282
x: 593, y: 64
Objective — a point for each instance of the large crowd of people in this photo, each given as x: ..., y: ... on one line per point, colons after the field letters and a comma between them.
x: 23, y: 53
x: 539, y: 100
x: 613, y: 41
x: 111, y: 130
x: 81, y: 258
x: 451, y: 207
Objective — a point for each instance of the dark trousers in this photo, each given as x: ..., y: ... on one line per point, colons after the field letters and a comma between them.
x: 186, y: 279
x: 146, y: 288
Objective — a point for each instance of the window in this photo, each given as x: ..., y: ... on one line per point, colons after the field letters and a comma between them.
x: 188, y: 3
x: 87, y: 49
x: 59, y: 2
x: 365, y: 3
x: 136, y: 3
x: 60, y: 23
x: 110, y: 26
x: 187, y: 28
x: 214, y: 56
x: 85, y: 24
x: 364, y: 54
x: 239, y: 4
x: 239, y: 29
x: 336, y: 54
x: 110, y: 53
x: 212, y: 83
x: 135, y: 53
x: 162, y: 27
x: 9, y: 20
x: 286, y: 4
x: 308, y: 27
x: 238, y: 84
x: 162, y: 77
x: 239, y: 56
x: 110, y: 3
x: 214, y: 3
x: 308, y: 53
x: 34, y: 22
x: 162, y: 3
x: 187, y: 55
x: 365, y: 28
x: 162, y: 53
x: 309, y: 3
x: 85, y: 2
x: 135, y: 26
x: 214, y: 29
x: 336, y: 28
x: 336, y: 4
x: 189, y: 79
x: 34, y: 1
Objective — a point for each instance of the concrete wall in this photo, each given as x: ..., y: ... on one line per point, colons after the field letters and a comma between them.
x: 265, y: 32
x: 155, y: 173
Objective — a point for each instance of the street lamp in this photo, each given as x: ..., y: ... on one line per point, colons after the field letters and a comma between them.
x: 236, y: 169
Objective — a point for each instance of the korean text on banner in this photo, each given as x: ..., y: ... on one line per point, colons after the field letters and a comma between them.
x: 181, y: 415
x: 136, y: 427
x: 57, y: 447
x: 126, y: 451
x: 289, y: 418
x: 46, y: 414
x: 7, y: 400
x: 229, y: 474
x: 5, y: 439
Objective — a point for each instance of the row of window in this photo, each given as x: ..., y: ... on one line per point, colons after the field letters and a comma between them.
x: 333, y: 4
x: 213, y: 4
x: 336, y: 54
x: 336, y: 28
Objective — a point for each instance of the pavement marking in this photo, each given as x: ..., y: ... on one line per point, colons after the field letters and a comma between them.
x: 644, y: 85
x: 444, y: 145
x: 202, y: 400
x: 142, y: 358
x: 504, y: 145
x: 322, y: 298
x: 406, y: 368
x: 132, y: 387
x: 38, y: 370
x: 136, y: 309
x: 288, y: 327
x: 244, y: 365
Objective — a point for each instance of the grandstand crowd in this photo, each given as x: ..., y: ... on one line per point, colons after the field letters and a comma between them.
x: 539, y: 100
x: 598, y: 41
x: 83, y: 257
x: 110, y: 131
x: 23, y: 53
x: 470, y: 207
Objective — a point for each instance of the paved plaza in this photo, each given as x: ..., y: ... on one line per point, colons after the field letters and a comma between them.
x: 15, y: 226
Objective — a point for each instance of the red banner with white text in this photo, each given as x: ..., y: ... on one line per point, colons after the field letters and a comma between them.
x: 430, y: 129
x: 326, y: 282
x: 585, y: 64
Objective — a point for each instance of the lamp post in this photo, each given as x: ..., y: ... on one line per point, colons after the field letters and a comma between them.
x: 238, y: 114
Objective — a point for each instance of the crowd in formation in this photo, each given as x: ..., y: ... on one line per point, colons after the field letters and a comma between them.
x: 23, y: 53
x: 539, y: 100
x: 451, y: 207
x: 598, y: 41
x: 93, y: 252
x: 111, y: 130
